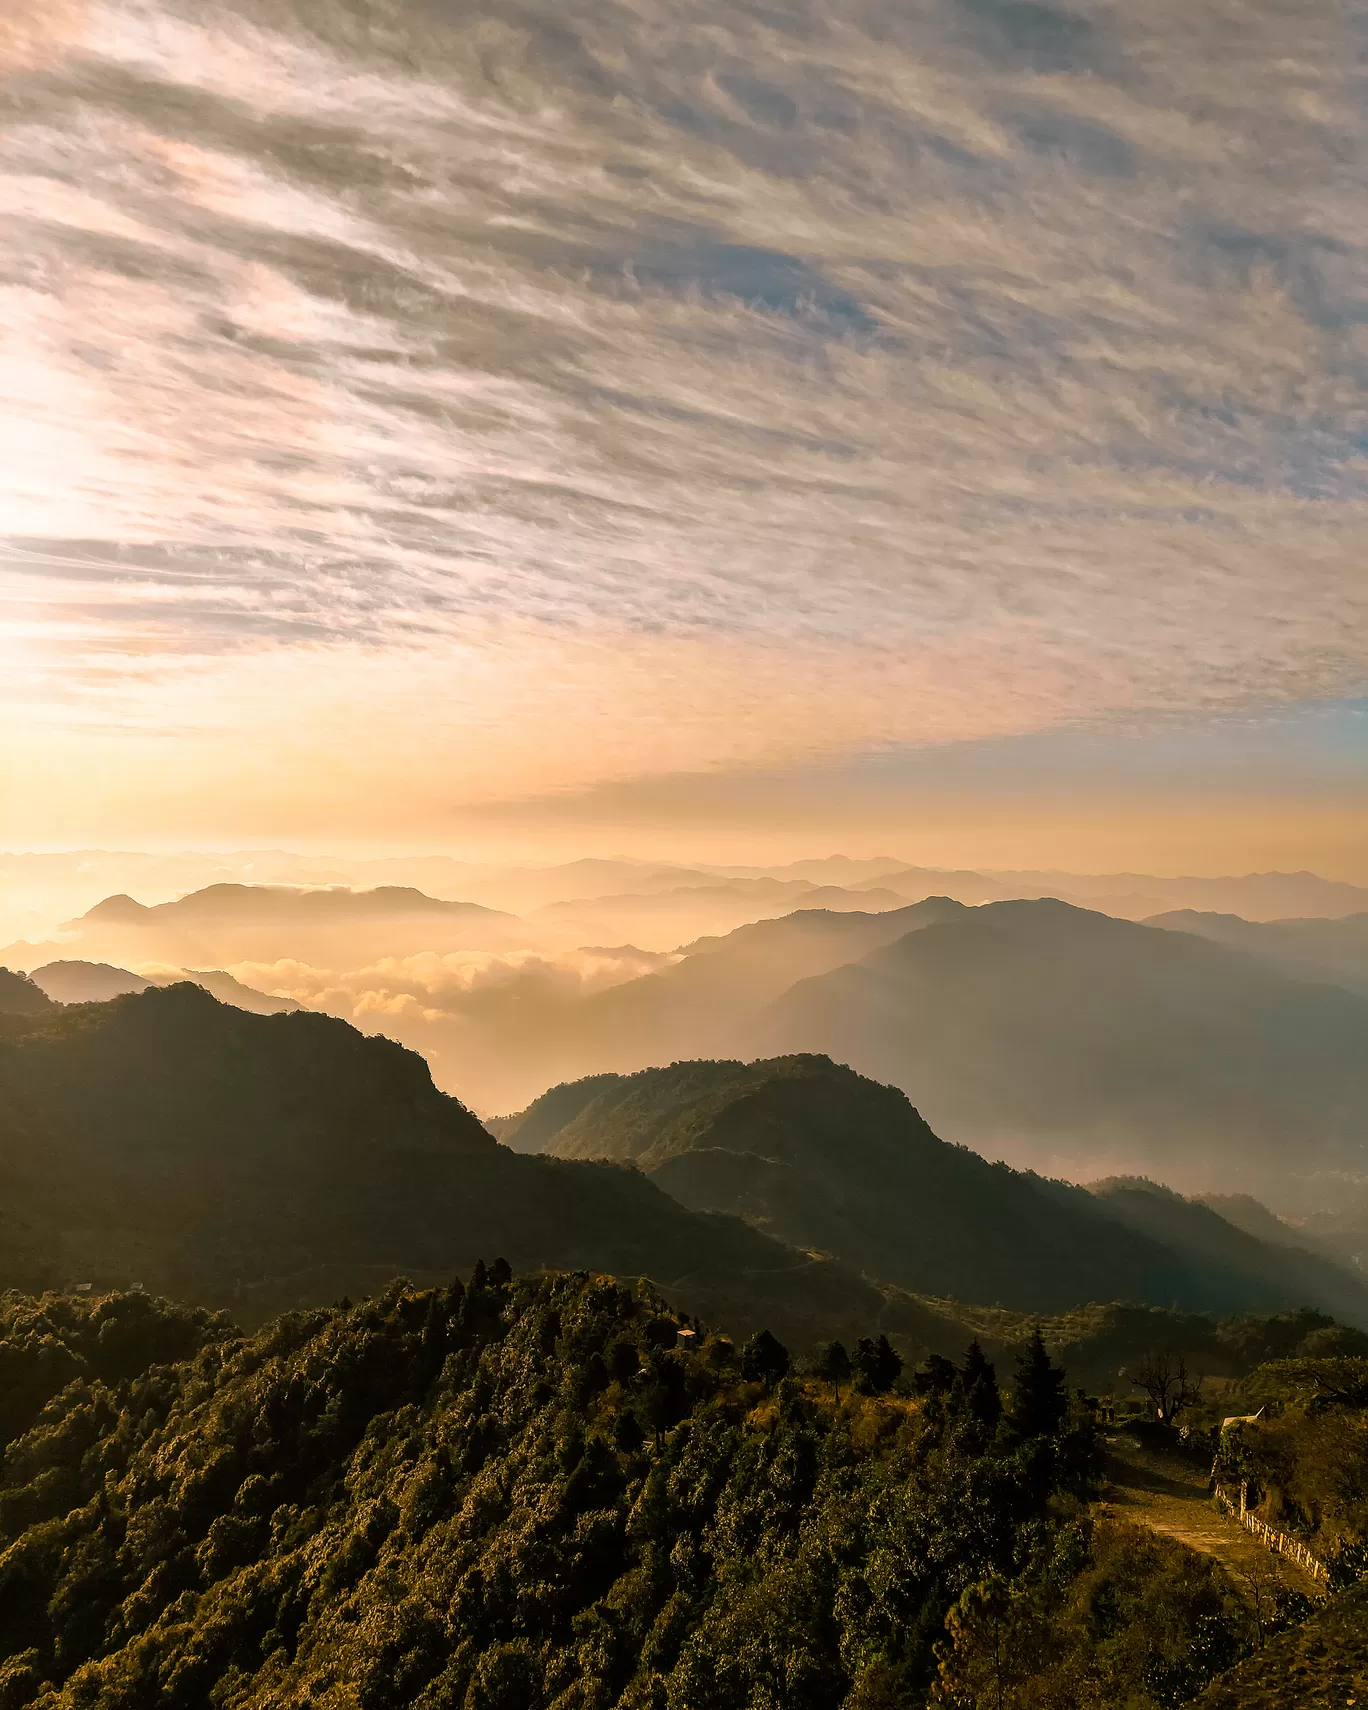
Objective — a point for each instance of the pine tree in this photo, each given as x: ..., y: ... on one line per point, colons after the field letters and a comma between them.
x: 1039, y: 1399
x: 936, y: 1377
x: 978, y: 1383
x: 833, y: 1366
x: 764, y: 1359
x: 877, y: 1365
x: 627, y: 1433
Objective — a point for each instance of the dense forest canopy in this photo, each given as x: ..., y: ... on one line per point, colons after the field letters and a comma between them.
x: 20, y: 996
x: 514, y: 1494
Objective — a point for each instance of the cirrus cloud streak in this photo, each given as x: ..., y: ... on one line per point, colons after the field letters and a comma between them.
x: 632, y: 389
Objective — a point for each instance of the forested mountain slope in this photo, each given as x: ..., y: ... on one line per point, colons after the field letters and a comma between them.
x: 1321, y: 1665
x: 1199, y: 1235
x: 1085, y: 1045
x: 20, y: 996
x: 522, y: 1495
x: 825, y: 1159
x: 262, y: 1161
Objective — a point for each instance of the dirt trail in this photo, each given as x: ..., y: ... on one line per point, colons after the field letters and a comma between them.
x: 1170, y: 1495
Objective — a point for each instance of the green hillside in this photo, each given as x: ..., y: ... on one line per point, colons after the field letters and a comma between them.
x: 1322, y: 1665
x: 824, y: 1159
x: 1260, y: 1258
x: 260, y: 1162
x: 524, y: 1495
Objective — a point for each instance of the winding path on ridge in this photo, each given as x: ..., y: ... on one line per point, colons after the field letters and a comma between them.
x: 1171, y: 1496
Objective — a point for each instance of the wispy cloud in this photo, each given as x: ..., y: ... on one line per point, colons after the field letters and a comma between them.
x: 870, y: 374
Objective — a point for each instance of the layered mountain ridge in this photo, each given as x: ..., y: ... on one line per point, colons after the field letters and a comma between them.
x: 259, y: 1162
x: 824, y: 1159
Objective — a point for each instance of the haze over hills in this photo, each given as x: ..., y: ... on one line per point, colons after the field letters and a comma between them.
x: 695, y: 1005
x: 664, y: 918
x: 228, y: 1158
x: 1135, y: 896
x: 504, y: 1007
x: 39, y: 890
x: 1247, y: 1245
x: 778, y: 589
x: 231, y: 923
x: 824, y: 1159
x: 1333, y: 950
x: 1059, y: 1038
x: 504, y: 1040
x: 1062, y: 1039
x: 98, y: 982
x: 86, y: 982
x: 267, y: 1161
x: 1083, y: 1044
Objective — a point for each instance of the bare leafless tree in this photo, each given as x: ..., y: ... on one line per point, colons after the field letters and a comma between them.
x: 1164, y: 1378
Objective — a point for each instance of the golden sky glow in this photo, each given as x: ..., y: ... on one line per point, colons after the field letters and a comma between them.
x: 420, y: 430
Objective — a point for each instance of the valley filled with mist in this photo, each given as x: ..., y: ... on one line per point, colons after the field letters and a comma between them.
x: 1075, y: 1025
x: 692, y: 1136
x: 874, y: 1090
x: 683, y: 855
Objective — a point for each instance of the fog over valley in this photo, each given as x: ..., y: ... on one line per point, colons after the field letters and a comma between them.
x: 683, y: 855
x: 1061, y: 1035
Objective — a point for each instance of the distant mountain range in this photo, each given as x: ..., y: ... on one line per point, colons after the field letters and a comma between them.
x: 708, y: 1003
x: 38, y: 890
x: 261, y: 1162
x: 1056, y: 1037
x: 98, y: 982
x: 1333, y: 950
x: 827, y: 1160
x: 1229, y: 1058
x: 1081, y: 1042
x: 241, y: 923
x: 1135, y: 896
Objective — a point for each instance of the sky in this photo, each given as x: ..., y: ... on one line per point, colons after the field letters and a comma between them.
x: 756, y: 428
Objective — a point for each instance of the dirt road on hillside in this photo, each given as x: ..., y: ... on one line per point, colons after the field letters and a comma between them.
x: 1171, y: 1495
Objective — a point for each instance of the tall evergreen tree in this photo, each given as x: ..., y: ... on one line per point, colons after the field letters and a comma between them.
x: 978, y: 1382
x: 936, y: 1377
x: 764, y: 1359
x: 877, y: 1365
x: 833, y: 1366
x: 1040, y: 1402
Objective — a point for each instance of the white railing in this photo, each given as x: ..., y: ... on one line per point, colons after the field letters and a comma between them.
x: 1279, y: 1542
